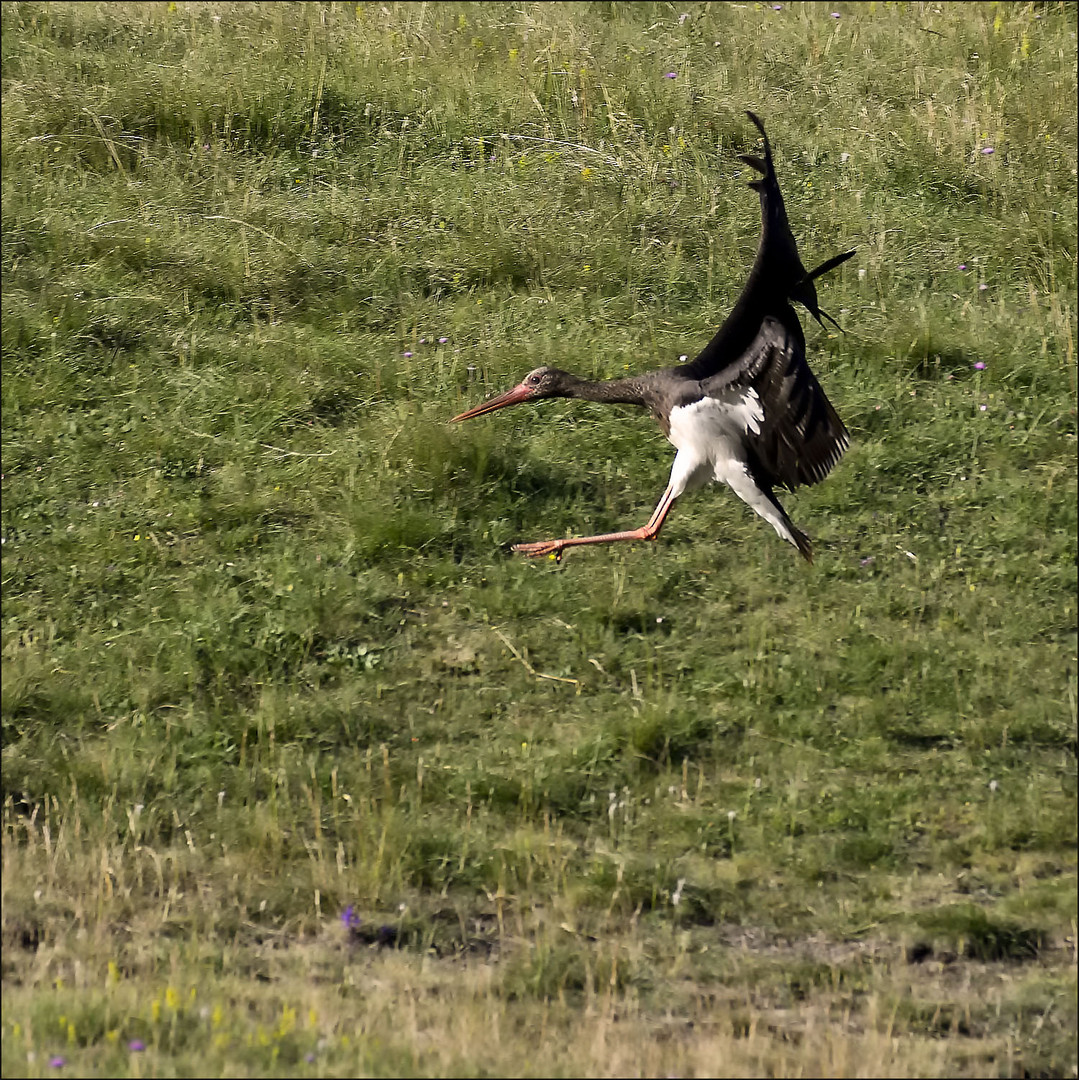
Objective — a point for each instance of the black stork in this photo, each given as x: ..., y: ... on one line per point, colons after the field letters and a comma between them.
x: 747, y: 411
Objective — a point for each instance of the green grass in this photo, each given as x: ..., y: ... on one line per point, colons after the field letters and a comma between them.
x: 688, y: 808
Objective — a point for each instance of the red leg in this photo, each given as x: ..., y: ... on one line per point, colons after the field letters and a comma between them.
x: 645, y: 532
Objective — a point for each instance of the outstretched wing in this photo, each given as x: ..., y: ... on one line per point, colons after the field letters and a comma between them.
x: 801, y: 437
x: 776, y: 278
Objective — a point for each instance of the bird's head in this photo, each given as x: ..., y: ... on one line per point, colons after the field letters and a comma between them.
x: 544, y: 382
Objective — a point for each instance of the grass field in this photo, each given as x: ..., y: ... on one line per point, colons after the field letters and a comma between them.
x: 304, y: 772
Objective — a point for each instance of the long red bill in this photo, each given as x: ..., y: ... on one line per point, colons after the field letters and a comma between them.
x: 511, y: 397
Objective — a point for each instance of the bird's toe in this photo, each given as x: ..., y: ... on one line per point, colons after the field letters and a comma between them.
x: 538, y: 550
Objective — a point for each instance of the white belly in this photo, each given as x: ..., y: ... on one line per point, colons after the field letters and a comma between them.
x: 710, y: 436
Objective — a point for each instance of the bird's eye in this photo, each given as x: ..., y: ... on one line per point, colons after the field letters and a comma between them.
x: 534, y: 380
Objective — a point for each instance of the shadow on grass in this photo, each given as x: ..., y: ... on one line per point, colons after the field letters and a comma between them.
x: 968, y: 931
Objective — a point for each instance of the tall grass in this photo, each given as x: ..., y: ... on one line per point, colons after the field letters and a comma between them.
x: 689, y: 807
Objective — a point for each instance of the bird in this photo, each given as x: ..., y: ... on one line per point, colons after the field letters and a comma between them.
x: 747, y: 411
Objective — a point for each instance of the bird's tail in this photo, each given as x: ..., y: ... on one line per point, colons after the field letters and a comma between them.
x: 802, y: 543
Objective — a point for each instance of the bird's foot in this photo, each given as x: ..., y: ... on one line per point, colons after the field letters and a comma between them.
x: 554, y: 548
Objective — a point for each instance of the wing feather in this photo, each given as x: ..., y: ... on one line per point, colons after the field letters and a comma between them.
x: 801, y: 436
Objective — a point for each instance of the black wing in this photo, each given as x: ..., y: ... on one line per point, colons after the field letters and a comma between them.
x: 801, y: 437
x: 776, y: 278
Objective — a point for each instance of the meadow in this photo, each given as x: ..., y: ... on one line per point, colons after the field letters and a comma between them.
x: 304, y: 772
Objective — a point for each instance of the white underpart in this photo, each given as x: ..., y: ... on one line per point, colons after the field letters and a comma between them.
x: 710, y: 435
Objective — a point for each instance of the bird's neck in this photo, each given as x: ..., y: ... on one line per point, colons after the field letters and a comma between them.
x: 628, y: 391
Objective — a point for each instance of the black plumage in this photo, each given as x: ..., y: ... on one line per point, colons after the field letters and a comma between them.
x: 747, y: 410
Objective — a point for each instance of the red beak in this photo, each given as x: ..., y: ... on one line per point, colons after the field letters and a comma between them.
x: 511, y: 397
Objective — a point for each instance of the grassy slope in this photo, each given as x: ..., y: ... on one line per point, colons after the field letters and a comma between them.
x: 266, y: 656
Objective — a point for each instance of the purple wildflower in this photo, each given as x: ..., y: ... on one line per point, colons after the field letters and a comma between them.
x: 671, y: 75
x: 443, y: 340
x: 406, y: 353
x: 57, y: 1062
x: 866, y: 561
x: 835, y: 14
x: 982, y: 287
x: 423, y: 341
x: 962, y: 266
x: 988, y: 150
x: 777, y: 7
x: 980, y: 366
x: 350, y: 918
x: 136, y: 1046
x: 682, y: 18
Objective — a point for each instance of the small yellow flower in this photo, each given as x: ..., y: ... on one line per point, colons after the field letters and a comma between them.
x: 586, y: 172
x: 288, y: 1020
x: 513, y: 54
x: 138, y: 537
x: 312, y: 1018
x: 218, y: 1016
x: 113, y: 1036
x: 114, y: 974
